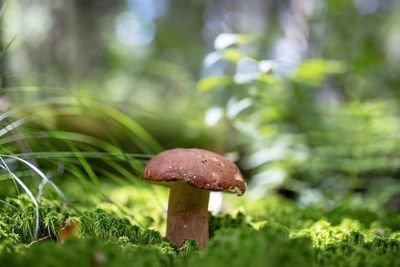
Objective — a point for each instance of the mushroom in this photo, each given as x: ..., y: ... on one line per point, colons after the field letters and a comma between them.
x: 192, y: 174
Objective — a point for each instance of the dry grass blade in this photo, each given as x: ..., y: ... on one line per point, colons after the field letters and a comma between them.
x: 27, y: 191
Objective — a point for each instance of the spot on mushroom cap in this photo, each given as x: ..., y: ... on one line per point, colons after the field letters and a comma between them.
x: 198, y: 167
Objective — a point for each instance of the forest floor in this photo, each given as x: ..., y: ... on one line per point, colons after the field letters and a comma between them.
x: 123, y: 226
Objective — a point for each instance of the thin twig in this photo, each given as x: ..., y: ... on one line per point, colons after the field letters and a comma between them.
x: 38, y: 240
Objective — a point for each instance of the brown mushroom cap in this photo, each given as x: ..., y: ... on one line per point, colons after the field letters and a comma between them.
x: 197, y: 167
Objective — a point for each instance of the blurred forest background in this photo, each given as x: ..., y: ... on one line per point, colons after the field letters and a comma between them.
x: 303, y: 94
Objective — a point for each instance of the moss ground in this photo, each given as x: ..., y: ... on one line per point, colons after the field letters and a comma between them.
x: 125, y: 228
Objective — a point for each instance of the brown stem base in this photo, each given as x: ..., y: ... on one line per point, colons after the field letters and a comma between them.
x: 187, y: 214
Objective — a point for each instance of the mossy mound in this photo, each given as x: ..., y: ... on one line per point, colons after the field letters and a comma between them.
x: 285, y: 236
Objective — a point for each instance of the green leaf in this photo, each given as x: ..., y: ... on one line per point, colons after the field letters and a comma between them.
x: 212, y: 82
x: 314, y: 71
x: 267, y: 78
x: 232, y: 55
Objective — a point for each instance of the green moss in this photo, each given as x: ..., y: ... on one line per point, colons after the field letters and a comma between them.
x: 89, y: 252
x: 221, y: 221
x: 97, y: 223
x: 284, y: 235
x: 245, y: 246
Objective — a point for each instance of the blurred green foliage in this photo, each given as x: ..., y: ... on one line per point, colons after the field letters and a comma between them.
x: 302, y: 95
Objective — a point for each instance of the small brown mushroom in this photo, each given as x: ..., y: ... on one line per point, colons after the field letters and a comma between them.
x: 192, y: 174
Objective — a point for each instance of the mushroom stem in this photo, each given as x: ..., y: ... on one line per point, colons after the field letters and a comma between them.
x: 187, y: 214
